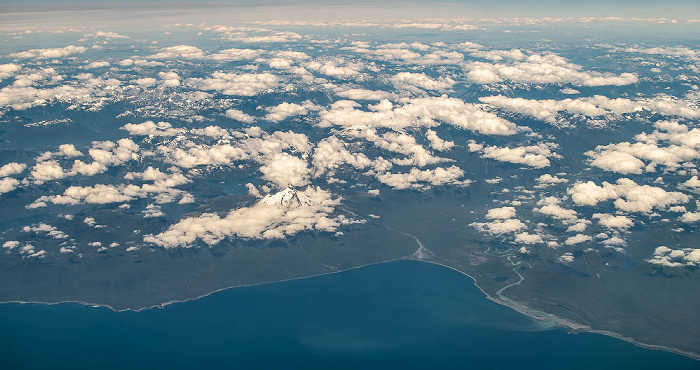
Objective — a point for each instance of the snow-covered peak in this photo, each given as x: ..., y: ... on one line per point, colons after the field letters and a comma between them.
x: 288, y: 197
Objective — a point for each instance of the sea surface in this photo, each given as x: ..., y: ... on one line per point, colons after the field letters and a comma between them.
x: 402, y: 314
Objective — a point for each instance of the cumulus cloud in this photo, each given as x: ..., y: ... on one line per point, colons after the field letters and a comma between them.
x: 421, y: 80
x: 8, y: 70
x: 628, y: 195
x: 547, y: 180
x: 665, y: 256
x: 500, y: 213
x: 150, y: 128
x: 270, y: 218
x: 536, y: 156
x: 418, y: 112
x: 613, y: 222
x: 414, y: 178
x: 548, y: 109
x: 527, y: 238
x: 12, y: 168
x: 283, y: 169
x: 239, y: 116
x: 49, y: 53
x: 544, y: 69
x: 285, y: 110
x: 244, y: 84
x: 331, y: 152
x: 437, y: 143
x: 672, y: 145
x: 499, y: 227
x: 8, y: 184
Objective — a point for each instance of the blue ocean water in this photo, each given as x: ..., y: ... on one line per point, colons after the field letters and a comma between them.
x: 402, y: 314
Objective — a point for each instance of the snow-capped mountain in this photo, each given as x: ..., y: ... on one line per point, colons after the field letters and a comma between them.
x: 288, y: 197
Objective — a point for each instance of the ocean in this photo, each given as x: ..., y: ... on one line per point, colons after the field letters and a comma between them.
x: 402, y: 314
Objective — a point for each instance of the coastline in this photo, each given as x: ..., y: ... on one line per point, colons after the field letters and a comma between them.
x: 571, y: 326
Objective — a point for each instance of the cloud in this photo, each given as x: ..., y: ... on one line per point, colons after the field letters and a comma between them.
x: 8, y: 184
x: 412, y: 179
x: 437, y: 143
x: 46, y: 171
x: 527, y: 238
x: 283, y: 169
x: 8, y: 70
x: 628, y: 195
x: 244, y: 84
x: 668, y: 257
x: 682, y: 146
x: 331, y: 152
x: 532, y: 155
x: 49, y: 53
x: 550, y: 206
x: 613, y: 222
x: 264, y: 220
x: 499, y: 227
x: 12, y: 168
x: 239, y: 116
x: 548, y: 109
x: 150, y: 128
x: 421, y: 80
x: 331, y: 68
x: 577, y: 239
x: 548, y: 180
x: 283, y: 111
x: 418, y: 112
x: 364, y: 94
x: 544, y: 69
x: 500, y: 213
x: 42, y: 228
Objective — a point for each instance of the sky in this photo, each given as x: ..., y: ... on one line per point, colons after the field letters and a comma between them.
x: 681, y: 9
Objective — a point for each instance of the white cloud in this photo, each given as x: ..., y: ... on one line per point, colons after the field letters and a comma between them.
x: 499, y: 227
x: 532, y: 155
x: 46, y: 171
x: 566, y: 258
x: 412, y: 179
x: 550, y: 206
x: 577, y: 239
x: 50, y: 53
x: 42, y: 228
x: 418, y: 112
x: 283, y: 169
x: 283, y: 111
x: 12, y: 168
x: 527, y: 238
x: 10, y: 245
x: 8, y: 184
x: 628, y: 195
x: 544, y: 69
x: 500, y: 213
x: 150, y: 128
x: 244, y: 84
x: 665, y: 256
x: 613, y: 222
x: 310, y: 210
x: 548, y: 109
x: 8, y: 70
x: 331, y: 152
x: 437, y: 143
x: 683, y: 145
x: 364, y: 94
x: 239, y: 116
x: 547, y: 180
x: 421, y: 80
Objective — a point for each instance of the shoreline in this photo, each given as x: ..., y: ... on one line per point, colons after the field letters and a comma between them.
x: 572, y: 327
